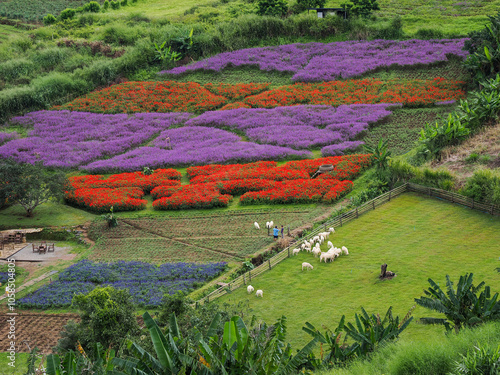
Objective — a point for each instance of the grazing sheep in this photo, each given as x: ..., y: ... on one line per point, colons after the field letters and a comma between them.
x: 250, y: 289
x: 307, y: 266
x: 303, y: 246
x: 326, y: 256
x: 316, y: 252
x: 329, y: 244
x: 271, y: 224
x: 295, y: 251
x: 316, y: 238
x: 344, y: 250
x: 256, y: 225
x: 331, y: 230
x: 311, y: 242
x: 267, y: 224
x: 260, y: 293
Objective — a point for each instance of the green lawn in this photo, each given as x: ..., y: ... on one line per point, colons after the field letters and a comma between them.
x: 417, y: 237
x: 47, y: 215
x: 19, y: 367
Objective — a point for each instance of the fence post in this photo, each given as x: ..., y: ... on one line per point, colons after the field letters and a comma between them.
x: 244, y: 281
x: 208, y: 299
x: 373, y: 204
x: 288, y: 231
x: 269, y: 263
x: 429, y: 192
x: 229, y: 286
x: 472, y: 203
x: 357, y: 213
x: 492, y: 206
x: 340, y: 220
x: 288, y: 252
x: 250, y: 275
x: 390, y: 195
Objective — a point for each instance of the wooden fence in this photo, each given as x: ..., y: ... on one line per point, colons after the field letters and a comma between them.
x: 341, y: 219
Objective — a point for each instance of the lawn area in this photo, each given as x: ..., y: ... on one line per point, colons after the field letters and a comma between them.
x: 418, y: 237
x: 47, y: 215
x: 6, y: 31
x: 20, y: 365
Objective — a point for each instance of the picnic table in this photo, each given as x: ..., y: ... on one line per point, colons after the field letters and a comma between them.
x: 43, y: 247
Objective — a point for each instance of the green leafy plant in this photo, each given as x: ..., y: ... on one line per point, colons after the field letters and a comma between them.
x: 303, y: 5
x: 115, y: 4
x: 147, y: 171
x: 362, y: 8
x: 92, y: 6
x: 463, y: 307
x: 277, y: 8
x: 380, y: 154
x: 110, y: 219
x: 49, y: 19
x: 166, y: 54
x: 184, y: 43
x: 67, y: 14
x: 482, y: 360
x: 105, y: 5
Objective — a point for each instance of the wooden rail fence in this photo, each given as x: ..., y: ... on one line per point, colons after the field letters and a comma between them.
x: 341, y: 219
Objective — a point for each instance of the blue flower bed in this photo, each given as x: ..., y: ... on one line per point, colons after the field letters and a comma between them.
x: 4, y: 277
x: 146, y: 282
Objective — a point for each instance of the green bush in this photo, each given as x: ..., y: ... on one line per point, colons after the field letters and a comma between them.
x: 115, y: 4
x: 99, y: 73
x: 482, y: 359
x: 124, y: 3
x: 49, y: 19
x: 105, y: 5
x: 303, y: 5
x: 483, y: 186
x: 277, y: 8
x: 49, y: 58
x: 119, y: 34
x: 362, y: 8
x: 16, y: 68
x: 429, y: 34
x: 56, y: 88
x: 67, y: 14
x: 92, y: 6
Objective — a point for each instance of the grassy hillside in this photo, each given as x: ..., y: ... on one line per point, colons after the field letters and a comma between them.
x: 417, y: 237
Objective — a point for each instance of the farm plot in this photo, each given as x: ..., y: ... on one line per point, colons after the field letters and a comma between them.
x: 230, y: 237
x: 418, y: 237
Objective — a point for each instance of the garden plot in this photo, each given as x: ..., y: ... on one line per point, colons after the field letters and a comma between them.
x: 418, y: 237
x: 231, y: 237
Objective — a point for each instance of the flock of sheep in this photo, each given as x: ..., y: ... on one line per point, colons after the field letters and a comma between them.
x: 330, y: 255
x: 269, y: 224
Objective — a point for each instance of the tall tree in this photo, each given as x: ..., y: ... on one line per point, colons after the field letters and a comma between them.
x: 29, y: 185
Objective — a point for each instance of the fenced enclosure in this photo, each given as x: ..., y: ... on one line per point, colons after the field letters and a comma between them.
x: 344, y: 218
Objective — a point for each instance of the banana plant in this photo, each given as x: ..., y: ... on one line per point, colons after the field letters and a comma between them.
x: 461, y: 307
x: 79, y: 363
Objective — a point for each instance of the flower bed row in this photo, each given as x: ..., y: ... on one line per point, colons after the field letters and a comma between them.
x: 299, y: 191
x: 411, y: 93
x: 314, y: 62
x: 214, y: 185
x: 169, y: 96
x: 146, y: 282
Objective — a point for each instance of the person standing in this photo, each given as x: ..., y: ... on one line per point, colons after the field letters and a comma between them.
x: 276, y: 232
x: 282, y: 230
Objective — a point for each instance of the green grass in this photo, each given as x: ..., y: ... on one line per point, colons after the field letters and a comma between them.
x: 46, y: 215
x: 19, y: 368
x: 417, y: 237
x: 6, y: 31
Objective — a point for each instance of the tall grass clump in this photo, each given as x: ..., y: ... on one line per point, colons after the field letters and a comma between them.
x: 13, y: 69
x: 49, y: 58
x: 436, y: 356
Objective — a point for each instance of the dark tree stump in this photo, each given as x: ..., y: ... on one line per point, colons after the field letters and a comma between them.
x: 384, y: 274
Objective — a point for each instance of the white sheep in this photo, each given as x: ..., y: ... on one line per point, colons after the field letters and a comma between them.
x: 250, y: 289
x: 326, y: 256
x: 271, y: 224
x: 256, y: 225
x: 316, y: 252
x: 259, y: 293
x: 311, y: 242
x: 344, y: 250
x: 295, y: 251
x: 316, y: 238
x: 267, y: 224
x: 331, y: 230
x: 303, y: 246
x: 329, y: 244
x: 307, y: 266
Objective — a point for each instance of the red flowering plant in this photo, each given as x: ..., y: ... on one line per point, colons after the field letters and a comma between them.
x: 192, y: 196
x: 236, y: 91
x: 209, y: 169
x: 344, y: 167
x: 299, y: 191
x: 102, y: 199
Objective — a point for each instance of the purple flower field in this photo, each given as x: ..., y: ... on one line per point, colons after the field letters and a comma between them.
x: 146, y: 282
x: 314, y: 62
x: 299, y: 127
x: 192, y: 146
x: 69, y: 139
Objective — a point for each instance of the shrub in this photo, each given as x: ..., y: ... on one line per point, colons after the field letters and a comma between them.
x: 49, y: 58
x: 93, y: 7
x: 362, y: 8
x: 428, y: 34
x: 115, y: 4
x: 49, y: 19
x: 124, y: 3
x: 105, y: 5
x: 57, y: 86
x: 67, y: 14
x: 302, y: 5
x: 482, y: 359
x: 483, y: 186
x: 16, y: 68
x: 277, y: 8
